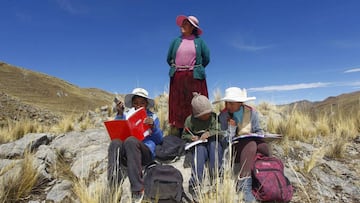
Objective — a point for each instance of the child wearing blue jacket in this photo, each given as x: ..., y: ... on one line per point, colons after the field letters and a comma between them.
x: 133, y: 153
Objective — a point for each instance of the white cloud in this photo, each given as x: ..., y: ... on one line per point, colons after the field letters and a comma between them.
x: 23, y: 17
x: 292, y: 87
x: 352, y: 70
x: 250, y: 47
x: 240, y: 44
x: 69, y: 6
x: 354, y: 84
x: 346, y: 43
x: 289, y: 87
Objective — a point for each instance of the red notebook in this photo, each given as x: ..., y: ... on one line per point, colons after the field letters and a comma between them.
x: 133, y: 125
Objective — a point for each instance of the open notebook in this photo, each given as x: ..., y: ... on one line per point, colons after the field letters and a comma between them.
x: 133, y: 125
x: 254, y: 135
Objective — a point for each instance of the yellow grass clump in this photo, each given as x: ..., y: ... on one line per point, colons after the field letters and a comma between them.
x: 314, y: 159
x: 17, y: 186
x: 15, y: 130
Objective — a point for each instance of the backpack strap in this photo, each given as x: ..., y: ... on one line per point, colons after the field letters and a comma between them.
x: 150, y: 165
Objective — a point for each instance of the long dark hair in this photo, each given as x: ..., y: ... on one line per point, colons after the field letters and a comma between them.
x: 195, y: 31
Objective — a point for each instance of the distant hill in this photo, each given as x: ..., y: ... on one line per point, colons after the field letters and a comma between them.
x: 44, y: 92
x: 348, y: 104
x: 24, y: 89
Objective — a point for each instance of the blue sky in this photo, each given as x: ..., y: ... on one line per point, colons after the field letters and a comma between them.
x: 280, y: 50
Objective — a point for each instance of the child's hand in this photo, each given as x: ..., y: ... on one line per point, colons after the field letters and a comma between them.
x: 205, y: 135
x: 149, y: 121
x: 232, y: 122
x: 120, y: 108
x: 194, y: 138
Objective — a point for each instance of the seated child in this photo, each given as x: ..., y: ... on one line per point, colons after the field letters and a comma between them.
x: 202, y: 124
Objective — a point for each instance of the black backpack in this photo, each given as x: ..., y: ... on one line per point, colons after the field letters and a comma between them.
x: 163, y: 183
x: 171, y: 149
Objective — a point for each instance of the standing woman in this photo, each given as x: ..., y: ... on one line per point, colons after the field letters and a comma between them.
x: 187, y: 57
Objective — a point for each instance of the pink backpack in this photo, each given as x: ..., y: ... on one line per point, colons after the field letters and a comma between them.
x: 269, y: 181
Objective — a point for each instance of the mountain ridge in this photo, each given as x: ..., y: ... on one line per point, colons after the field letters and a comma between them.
x: 61, y: 97
x: 50, y: 93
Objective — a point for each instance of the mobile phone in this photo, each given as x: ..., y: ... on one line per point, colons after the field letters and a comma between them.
x: 116, y: 100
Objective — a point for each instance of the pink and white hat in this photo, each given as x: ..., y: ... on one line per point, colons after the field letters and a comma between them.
x: 192, y: 19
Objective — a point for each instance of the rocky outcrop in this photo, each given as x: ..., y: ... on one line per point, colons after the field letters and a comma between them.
x: 85, y: 154
x: 15, y: 110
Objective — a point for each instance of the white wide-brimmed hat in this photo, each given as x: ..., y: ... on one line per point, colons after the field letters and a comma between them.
x: 192, y: 19
x: 141, y: 93
x: 235, y: 94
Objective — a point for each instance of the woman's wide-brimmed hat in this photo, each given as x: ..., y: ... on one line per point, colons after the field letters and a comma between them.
x: 235, y: 94
x: 192, y: 19
x: 141, y: 93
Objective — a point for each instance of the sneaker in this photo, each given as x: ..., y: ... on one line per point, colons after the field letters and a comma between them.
x: 136, y: 197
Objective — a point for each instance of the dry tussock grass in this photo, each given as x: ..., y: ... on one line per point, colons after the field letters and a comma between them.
x: 19, y: 185
x: 221, y: 189
x: 337, y: 147
x: 322, y: 125
x: 314, y: 159
x: 96, y: 192
x: 16, y: 130
x: 65, y: 125
x: 266, y: 109
x: 161, y: 109
x: 62, y: 168
x: 340, y: 130
x: 217, y: 107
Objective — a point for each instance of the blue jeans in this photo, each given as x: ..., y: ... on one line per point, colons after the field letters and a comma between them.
x: 203, y: 153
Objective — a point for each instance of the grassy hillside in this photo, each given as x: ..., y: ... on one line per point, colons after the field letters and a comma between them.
x: 346, y: 104
x: 50, y: 93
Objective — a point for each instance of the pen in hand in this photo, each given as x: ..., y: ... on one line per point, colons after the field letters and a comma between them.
x: 193, y: 137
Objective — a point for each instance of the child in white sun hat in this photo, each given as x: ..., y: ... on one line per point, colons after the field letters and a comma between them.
x: 240, y: 119
x: 132, y: 153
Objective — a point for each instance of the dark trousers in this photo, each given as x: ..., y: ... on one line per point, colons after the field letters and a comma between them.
x: 205, y: 152
x: 245, y: 151
x: 131, y: 154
